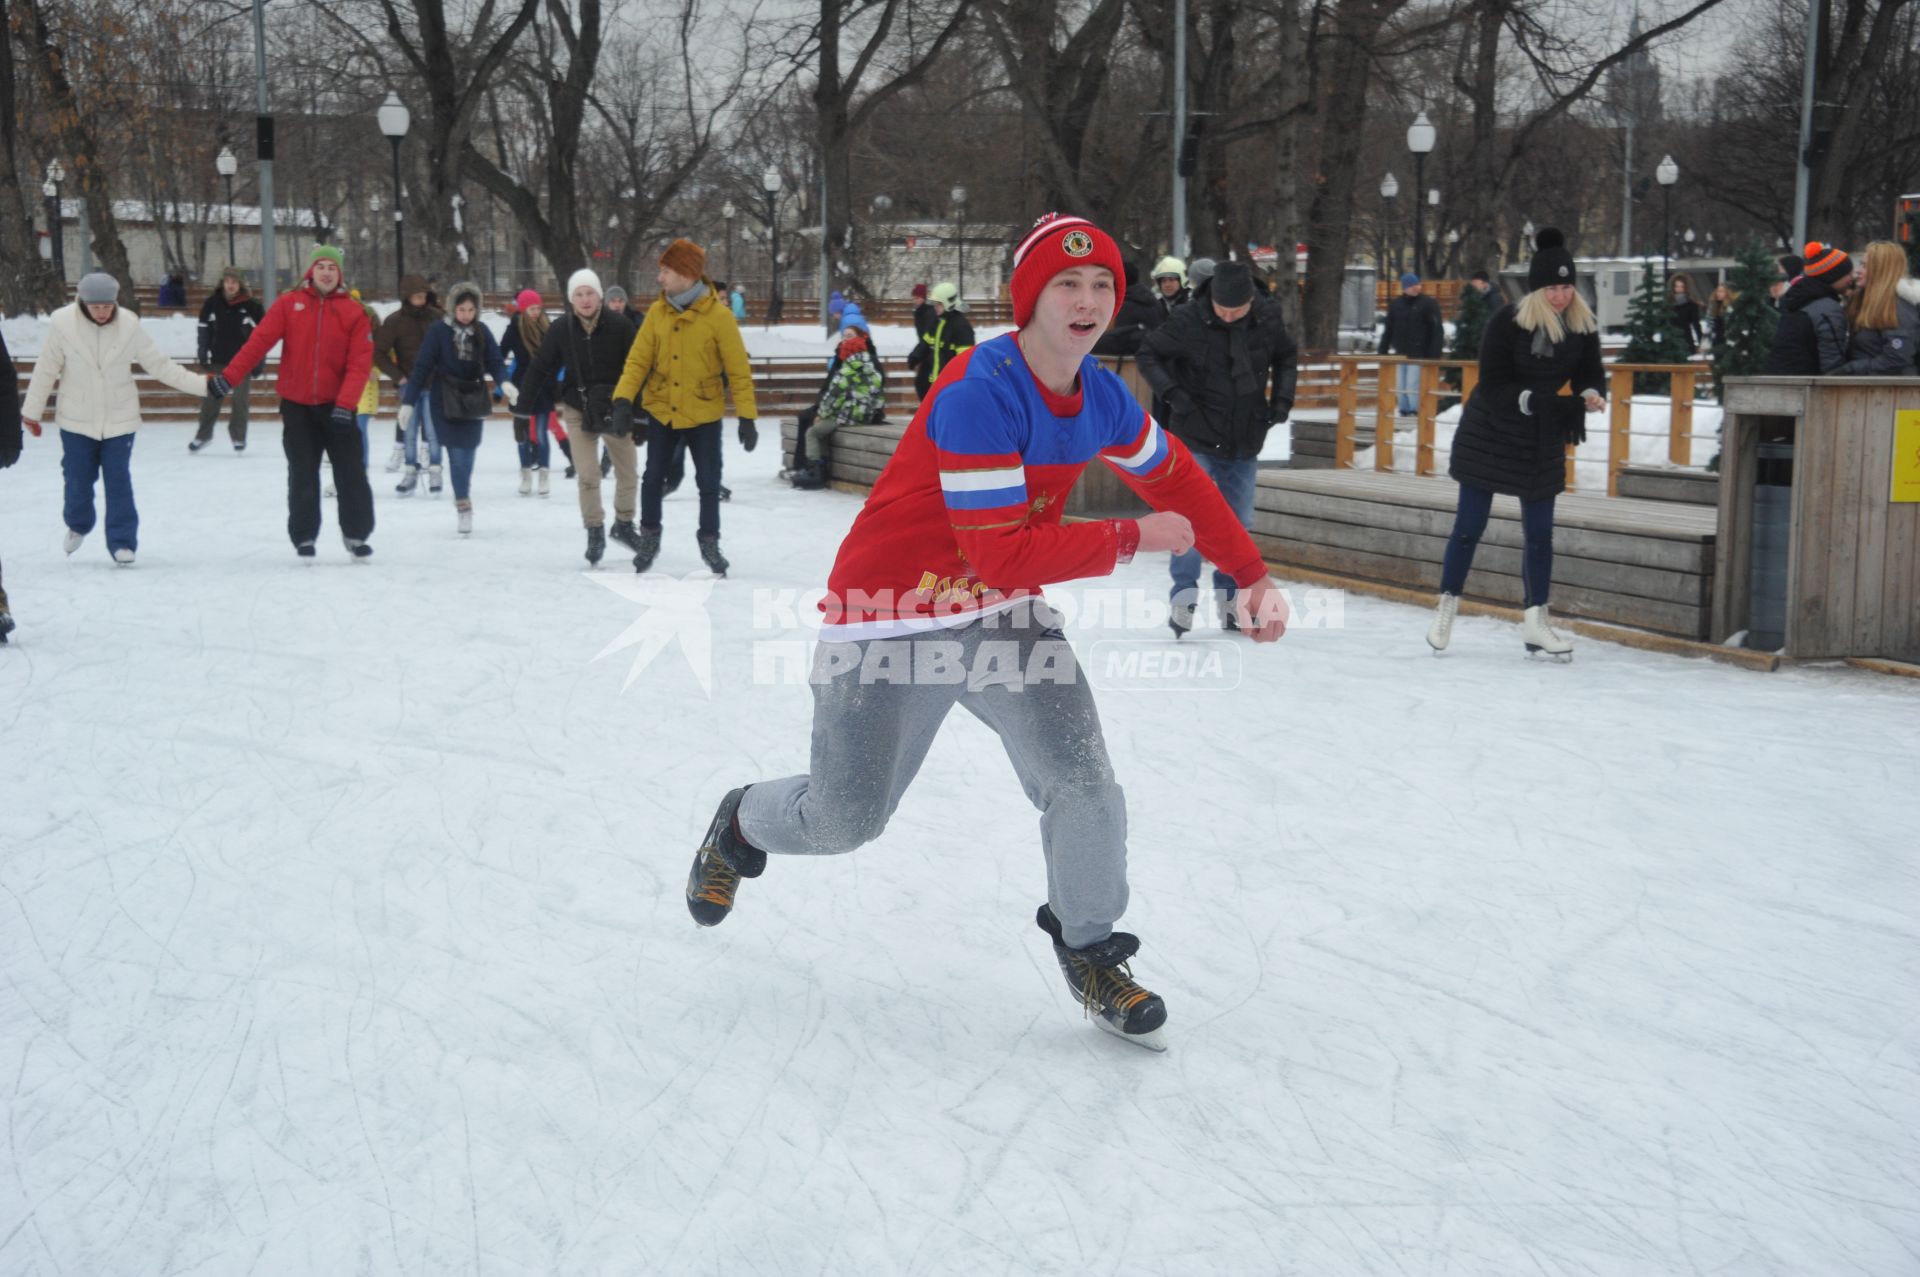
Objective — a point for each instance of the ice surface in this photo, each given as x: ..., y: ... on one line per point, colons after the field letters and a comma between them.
x: 341, y: 921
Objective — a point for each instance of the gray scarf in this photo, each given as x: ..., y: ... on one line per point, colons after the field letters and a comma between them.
x: 680, y: 301
x: 465, y: 339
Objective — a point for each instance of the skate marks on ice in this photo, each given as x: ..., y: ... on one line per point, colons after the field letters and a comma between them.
x: 342, y: 932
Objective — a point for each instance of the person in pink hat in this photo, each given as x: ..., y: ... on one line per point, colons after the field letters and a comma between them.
x: 525, y: 331
x: 934, y: 603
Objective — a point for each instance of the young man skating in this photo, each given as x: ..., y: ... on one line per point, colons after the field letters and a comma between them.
x: 940, y: 577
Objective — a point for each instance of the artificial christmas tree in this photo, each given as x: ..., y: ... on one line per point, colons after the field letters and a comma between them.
x: 1747, y: 334
x: 1652, y: 335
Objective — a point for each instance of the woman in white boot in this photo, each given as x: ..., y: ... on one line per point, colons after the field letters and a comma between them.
x: 1540, y: 376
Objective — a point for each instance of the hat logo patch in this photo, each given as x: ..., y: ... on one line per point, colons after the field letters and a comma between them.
x: 1077, y: 244
x: 1563, y: 272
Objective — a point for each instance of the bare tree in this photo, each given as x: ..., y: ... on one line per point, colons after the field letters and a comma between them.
x: 26, y: 281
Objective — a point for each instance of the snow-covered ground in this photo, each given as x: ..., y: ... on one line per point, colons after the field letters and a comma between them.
x: 342, y: 932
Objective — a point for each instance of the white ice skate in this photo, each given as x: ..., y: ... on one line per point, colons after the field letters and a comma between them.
x: 73, y: 540
x: 123, y: 556
x: 526, y: 481
x: 546, y: 475
x: 1537, y: 632
x: 1441, y: 632
x: 466, y: 518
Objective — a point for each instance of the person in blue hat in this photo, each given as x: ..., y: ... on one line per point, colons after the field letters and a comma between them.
x: 1414, y: 329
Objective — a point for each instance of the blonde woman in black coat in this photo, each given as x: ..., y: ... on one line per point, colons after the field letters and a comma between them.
x: 1540, y: 376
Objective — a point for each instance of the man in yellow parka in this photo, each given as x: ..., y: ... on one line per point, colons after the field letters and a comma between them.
x: 687, y: 356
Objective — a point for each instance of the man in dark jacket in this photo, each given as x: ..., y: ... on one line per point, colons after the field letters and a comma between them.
x: 1414, y: 329
x: 1811, y: 339
x: 1138, y: 316
x: 1225, y: 366
x: 920, y: 358
x: 591, y: 342
x: 227, y: 319
x: 395, y: 344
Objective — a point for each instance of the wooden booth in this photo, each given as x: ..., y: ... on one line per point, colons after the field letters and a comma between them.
x: 1818, y: 545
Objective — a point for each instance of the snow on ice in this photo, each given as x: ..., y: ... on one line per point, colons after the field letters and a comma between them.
x: 343, y: 932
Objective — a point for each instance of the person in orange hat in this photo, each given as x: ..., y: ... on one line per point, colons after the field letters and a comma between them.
x: 1811, y: 340
x: 681, y: 367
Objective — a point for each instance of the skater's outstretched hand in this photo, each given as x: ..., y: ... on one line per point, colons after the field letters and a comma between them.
x: 406, y: 415
x: 1262, y: 610
x: 512, y: 393
x: 33, y: 427
x: 1165, y: 530
x: 749, y: 433
x: 621, y: 423
x: 218, y: 387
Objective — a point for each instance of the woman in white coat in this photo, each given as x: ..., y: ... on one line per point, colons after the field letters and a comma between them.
x: 91, y: 348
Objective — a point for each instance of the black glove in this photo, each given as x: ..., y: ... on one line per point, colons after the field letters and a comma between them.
x: 204, y: 357
x: 522, y: 428
x: 749, y: 434
x: 219, y: 387
x: 1179, y: 403
x: 344, y: 417
x: 620, y: 420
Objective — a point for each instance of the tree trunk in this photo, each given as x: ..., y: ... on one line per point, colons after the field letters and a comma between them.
x: 27, y: 282
x: 1355, y: 25
x: 1284, y: 229
x: 80, y: 141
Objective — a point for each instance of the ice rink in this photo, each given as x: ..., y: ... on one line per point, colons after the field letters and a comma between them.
x: 342, y: 928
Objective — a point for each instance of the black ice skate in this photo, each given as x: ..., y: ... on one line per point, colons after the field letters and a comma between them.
x: 710, y: 555
x: 646, y: 549
x: 596, y: 545
x: 6, y: 620
x: 625, y: 533
x: 1099, y: 977
x: 723, y: 860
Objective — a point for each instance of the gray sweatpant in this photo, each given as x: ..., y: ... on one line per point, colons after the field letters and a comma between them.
x: 878, y: 703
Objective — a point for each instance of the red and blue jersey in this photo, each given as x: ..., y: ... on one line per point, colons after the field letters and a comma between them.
x: 966, y: 515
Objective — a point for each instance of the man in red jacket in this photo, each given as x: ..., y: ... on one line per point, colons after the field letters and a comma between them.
x: 326, y: 354
x: 934, y: 601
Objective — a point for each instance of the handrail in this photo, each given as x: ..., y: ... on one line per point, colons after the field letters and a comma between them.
x: 1685, y: 378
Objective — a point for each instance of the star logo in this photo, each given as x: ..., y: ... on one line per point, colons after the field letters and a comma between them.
x: 673, y: 612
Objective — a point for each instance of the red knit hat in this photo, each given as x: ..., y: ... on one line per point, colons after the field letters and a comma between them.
x: 1057, y: 243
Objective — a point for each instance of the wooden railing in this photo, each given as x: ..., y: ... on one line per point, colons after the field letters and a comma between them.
x: 1379, y: 396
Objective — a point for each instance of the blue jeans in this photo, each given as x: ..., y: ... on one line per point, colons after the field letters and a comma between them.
x: 423, y: 421
x: 663, y: 442
x: 1470, y: 520
x: 1407, y: 382
x: 362, y: 419
x: 84, y: 459
x: 1236, y: 481
x: 536, y: 451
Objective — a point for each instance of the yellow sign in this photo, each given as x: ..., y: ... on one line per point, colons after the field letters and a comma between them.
x: 1906, y: 455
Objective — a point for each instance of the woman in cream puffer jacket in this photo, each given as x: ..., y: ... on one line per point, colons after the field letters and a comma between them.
x: 90, y: 351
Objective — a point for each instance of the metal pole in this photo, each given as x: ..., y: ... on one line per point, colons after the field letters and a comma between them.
x: 232, y: 258
x: 58, y: 223
x: 1419, y: 213
x: 773, y: 260
x: 1178, y: 247
x: 1626, y: 198
x: 1803, y: 169
x: 1666, y: 231
x: 263, y: 149
x: 826, y: 274
x: 960, y: 252
x: 399, y: 218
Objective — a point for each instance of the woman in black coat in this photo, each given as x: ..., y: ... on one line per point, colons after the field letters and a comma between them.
x: 1686, y: 310
x: 1540, y: 376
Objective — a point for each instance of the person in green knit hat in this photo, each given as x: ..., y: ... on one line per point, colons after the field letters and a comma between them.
x: 324, y: 365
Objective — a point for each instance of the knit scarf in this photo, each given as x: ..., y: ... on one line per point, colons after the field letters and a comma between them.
x: 680, y: 301
x: 465, y: 339
x: 854, y: 343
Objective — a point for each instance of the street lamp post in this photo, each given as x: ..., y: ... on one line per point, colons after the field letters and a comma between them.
x: 1667, y: 174
x: 227, y: 164
x: 770, y: 183
x: 394, y: 120
x: 960, y: 241
x: 1389, y: 188
x: 373, y: 207
x: 882, y: 205
x: 1420, y: 139
x: 1687, y: 239
x: 56, y: 218
x: 728, y: 211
